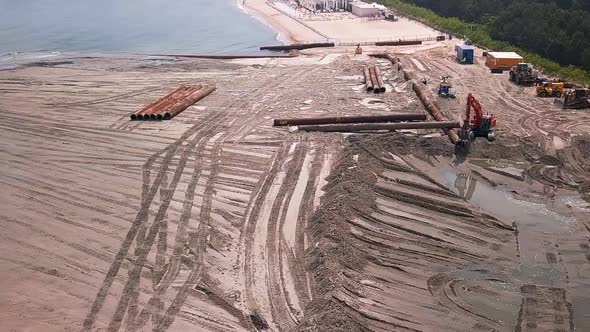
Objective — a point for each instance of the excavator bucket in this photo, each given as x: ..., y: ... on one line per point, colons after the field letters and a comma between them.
x: 463, y: 145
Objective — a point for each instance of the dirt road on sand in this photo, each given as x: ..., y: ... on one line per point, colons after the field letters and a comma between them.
x: 218, y: 221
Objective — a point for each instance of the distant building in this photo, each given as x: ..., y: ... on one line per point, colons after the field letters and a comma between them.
x: 326, y: 5
x: 362, y: 9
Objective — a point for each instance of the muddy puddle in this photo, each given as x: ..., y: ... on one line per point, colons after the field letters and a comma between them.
x: 552, y: 249
x: 532, y: 219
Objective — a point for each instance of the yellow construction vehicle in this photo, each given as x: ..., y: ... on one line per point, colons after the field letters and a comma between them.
x: 550, y: 89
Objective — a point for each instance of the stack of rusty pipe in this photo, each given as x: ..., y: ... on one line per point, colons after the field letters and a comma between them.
x: 373, y: 79
x: 425, y: 96
x: 173, y: 103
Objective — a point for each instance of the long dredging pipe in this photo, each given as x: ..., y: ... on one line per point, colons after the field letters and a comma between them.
x: 380, y: 126
x: 196, y: 96
x: 379, y: 79
x: 368, y: 83
x: 394, y: 117
x: 226, y: 56
x: 295, y: 46
x: 376, y: 87
x: 425, y: 96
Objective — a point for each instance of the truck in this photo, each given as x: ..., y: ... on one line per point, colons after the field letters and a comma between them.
x: 465, y: 53
x: 500, y: 61
x: 550, y: 89
x: 524, y: 74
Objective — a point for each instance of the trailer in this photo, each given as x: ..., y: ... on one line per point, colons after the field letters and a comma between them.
x: 500, y: 61
x: 465, y: 53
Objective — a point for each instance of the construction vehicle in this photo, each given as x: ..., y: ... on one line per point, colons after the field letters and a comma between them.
x: 445, y: 89
x: 550, y: 89
x: 358, y: 50
x: 523, y: 74
x: 577, y: 98
x: 500, y: 61
x: 476, y: 124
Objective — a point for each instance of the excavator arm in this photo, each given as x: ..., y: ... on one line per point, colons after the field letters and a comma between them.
x: 475, y: 125
x: 473, y: 104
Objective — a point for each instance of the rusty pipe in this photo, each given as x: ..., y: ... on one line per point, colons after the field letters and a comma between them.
x: 163, y: 99
x: 187, y: 91
x: 137, y: 115
x: 425, y: 96
x: 394, y: 61
x: 148, y: 112
x: 380, y: 126
x: 186, y: 102
x: 368, y: 83
x: 379, y: 79
x: 394, y: 117
x: 432, y: 107
x: 376, y: 88
x: 176, y: 100
x: 195, y: 97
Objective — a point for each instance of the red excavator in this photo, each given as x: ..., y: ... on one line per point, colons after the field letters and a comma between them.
x: 476, y: 125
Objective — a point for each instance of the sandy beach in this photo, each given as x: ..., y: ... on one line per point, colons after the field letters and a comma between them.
x: 338, y: 27
x: 289, y: 29
x: 220, y: 220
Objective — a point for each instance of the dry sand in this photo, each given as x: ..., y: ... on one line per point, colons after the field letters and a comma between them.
x: 211, y: 221
x: 359, y: 30
x: 218, y: 221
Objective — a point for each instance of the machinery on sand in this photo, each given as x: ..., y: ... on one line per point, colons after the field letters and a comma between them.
x: 358, y: 50
x: 523, y: 74
x: 577, y: 98
x: 550, y: 89
x: 445, y: 89
x: 476, y: 124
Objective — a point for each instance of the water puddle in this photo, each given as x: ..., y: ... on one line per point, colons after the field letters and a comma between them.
x: 535, y: 221
x: 502, y: 166
x: 553, y: 248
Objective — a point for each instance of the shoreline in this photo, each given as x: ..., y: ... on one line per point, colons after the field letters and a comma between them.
x: 289, y: 30
x: 282, y: 35
x: 334, y: 27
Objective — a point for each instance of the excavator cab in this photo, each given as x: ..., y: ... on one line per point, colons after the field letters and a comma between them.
x: 522, y: 67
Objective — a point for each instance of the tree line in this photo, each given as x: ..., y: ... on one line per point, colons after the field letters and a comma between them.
x: 552, y: 34
x: 556, y: 29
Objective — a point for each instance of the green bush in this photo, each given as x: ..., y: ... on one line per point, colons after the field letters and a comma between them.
x: 479, y: 35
